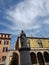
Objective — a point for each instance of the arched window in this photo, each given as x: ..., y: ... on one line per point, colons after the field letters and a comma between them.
x: 40, y: 58
x: 33, y: 58
x: 46, y: 56
x: 14, y: 60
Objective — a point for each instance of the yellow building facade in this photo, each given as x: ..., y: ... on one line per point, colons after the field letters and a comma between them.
x: 34, y: 42
x: 39, y: 49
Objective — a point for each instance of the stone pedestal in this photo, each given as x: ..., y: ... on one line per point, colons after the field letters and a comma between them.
x: 25, y: 56
x: 24, y: 50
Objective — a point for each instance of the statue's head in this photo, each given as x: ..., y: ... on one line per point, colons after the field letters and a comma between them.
x: 22, y: 33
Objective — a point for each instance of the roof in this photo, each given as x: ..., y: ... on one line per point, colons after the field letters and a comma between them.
x: 37, y: 37
x: 5, y: 33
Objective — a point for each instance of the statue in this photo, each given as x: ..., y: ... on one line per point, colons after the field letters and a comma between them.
x: 23, y: 39
x: 24, y: 50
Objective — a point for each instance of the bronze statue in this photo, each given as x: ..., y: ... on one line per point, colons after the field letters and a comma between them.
x: 23, y: 39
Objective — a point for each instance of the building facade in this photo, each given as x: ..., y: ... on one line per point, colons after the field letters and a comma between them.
x: 39, y: 51
x: 4, y: 46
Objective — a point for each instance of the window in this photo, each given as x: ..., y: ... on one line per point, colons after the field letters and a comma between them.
x: 3, y: 35
x: 6, y: 42
x: 8, y: 35
x: 0, y: 42
x: 5, y: 49
x: 40, y: 43
x: 3, y: 58
x: 0, y: 35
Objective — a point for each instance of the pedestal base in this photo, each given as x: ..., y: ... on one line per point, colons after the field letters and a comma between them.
x: 25, y: 57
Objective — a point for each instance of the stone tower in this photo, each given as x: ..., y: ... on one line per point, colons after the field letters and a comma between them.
x: 24, y: 50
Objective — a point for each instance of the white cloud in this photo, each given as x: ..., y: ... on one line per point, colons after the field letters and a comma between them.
x: 23, y: 14
x: 46, y: 21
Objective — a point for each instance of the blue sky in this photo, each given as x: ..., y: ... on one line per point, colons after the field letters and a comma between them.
x: 32, y: 16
